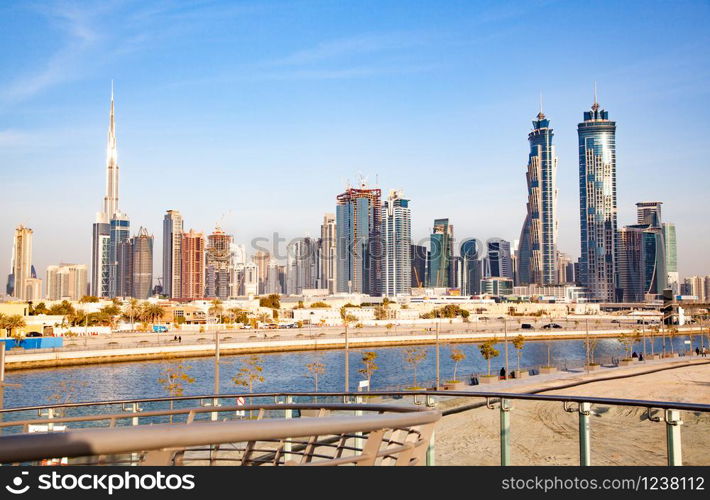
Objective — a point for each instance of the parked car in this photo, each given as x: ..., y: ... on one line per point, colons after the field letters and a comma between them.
x: 33, y: 334
x: 615, y: 321
x: 526, y: 326
x: 160, y: 328
x: 551, y: 325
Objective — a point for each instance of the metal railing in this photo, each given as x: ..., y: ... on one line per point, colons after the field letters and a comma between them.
x: 127, y: 416
x: 375, y: 435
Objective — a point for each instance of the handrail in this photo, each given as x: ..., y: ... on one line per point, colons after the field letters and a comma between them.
x: 670, y: 405
x: 209, y: 409
x: 109, y: 441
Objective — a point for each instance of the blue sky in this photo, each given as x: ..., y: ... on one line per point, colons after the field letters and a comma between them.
x: 261, y: 111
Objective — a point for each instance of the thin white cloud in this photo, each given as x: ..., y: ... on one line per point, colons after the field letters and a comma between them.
x: 357, y: 45
x: 63, y: 65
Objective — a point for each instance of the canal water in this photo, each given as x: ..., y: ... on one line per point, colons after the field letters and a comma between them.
x: 287, y: 372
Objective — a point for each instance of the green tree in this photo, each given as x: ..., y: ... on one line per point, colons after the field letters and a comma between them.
x: 413, y: 356
x: 151, y: 313
x: 488, y: 351
x: 132, y: 311
x: 12, y: 322
x: 250, y: 372
x: 369, y: 366
x: 457, y: 355
x: 88, y: 299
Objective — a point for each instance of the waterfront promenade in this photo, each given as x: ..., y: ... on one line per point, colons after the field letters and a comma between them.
x: 146, y: 346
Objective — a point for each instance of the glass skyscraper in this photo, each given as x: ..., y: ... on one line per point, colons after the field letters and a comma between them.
x: 537, y: 250
x: 597, y: 204
x: 397, y: 241
x: 440, y: 253
x: 472, y: 272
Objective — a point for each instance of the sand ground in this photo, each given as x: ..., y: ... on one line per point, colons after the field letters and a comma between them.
x: 542, y: 433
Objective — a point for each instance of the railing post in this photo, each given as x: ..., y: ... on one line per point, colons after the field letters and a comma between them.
x: 585, y: 455
x: 288, y: 413
x: 431, y: 449
x: 673, y: 423
x: 504, y: 432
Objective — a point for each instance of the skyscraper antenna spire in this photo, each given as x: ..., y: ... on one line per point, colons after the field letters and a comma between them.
x: 112, y: 89
x: 595, y: 106
x: 541, y: 115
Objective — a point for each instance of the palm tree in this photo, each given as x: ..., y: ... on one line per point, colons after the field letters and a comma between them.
x: 11, y: 323
x: 151, y: 312
x: 216, y: 309
x: 133, y: 311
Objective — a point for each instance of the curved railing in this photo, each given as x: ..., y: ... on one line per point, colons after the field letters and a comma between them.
x: 342, y: 434
x: 224, y: 412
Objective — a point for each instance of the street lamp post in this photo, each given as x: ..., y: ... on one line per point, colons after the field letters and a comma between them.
x: 438, y: 322
x: 347, y: 359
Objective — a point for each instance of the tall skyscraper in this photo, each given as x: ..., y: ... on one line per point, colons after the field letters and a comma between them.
x: 192, y: 266
x: 641, y: 256
x: 172, y: 236
x: 218, y: 265
x: 22, y: 263
x: 440, y: 253
x: 142, y: 264
x: 397, y: 242
x: 669, y: 238
x: 66, y: 281
x: 537, y: 253
x: 261, y: 259
x: 104, y: 265
x: 418, y: 256
x: 597, y: 204
x: 359, y: 248
x: 328, y: 253
x: 120, y: 229
x: 498, y: 262
x: 301, y: 265
x: 472, y: 266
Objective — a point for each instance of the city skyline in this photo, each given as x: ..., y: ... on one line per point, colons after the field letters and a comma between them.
x: 141, y: 198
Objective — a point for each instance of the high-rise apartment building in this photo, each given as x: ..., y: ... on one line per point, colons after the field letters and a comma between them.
x: 192, y: 266
x: 358, y: 217
x: 172, y: 236
x: 66, y: 282
x: 22, y: 264
x: 597, y: 204
x: 397, y: 242
x: 328, y: 253
x: 537, y: 250
x: 440, y: 253
x: 218, y: 265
